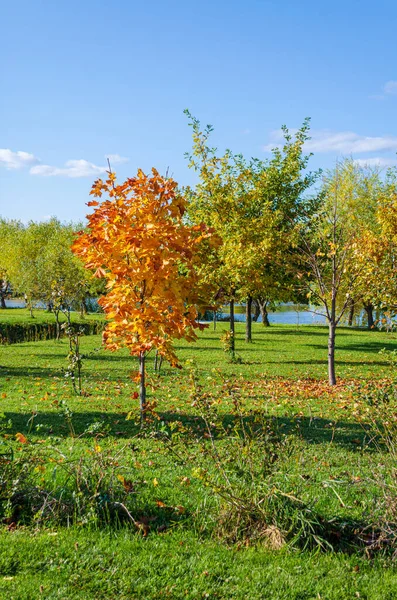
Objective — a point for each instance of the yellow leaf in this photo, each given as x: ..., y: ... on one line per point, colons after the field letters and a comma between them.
x: 155, y: 482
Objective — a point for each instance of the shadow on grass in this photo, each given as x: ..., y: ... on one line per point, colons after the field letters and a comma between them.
x: 309, y: 361
x: 296, y: 332
x: 313, y: 430
x: 367, y: 347
x: 10, y: 373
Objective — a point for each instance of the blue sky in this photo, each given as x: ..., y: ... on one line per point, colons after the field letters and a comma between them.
x: 86, y: 79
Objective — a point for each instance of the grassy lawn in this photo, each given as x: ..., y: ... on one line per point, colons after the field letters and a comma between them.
x: 327, y: 460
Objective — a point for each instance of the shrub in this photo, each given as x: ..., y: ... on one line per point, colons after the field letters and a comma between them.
x: 12, y: 333
x: 238, y: 460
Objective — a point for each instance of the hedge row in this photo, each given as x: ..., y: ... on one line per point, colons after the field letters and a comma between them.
x: 13, y: 333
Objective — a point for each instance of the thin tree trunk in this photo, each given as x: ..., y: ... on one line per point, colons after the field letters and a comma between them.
x: 214, y: 320
x: 369, y: 309
x: 232, y: 328
x: 331, y: 353
x: 158, y: 361
x: 351, y: 314
x: 156, y: 356
x: 142, y: 386
x: 248, y: 319
x: 58, y: 327
x: 83, y: 308
x: 3, y: 293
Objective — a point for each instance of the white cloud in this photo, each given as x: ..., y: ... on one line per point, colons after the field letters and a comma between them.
x: 116, y: 159
x: 343, y: 142
x: 390, y: 88
x: 16, y: 160
x: 378, y: 161
x: 72, y: 168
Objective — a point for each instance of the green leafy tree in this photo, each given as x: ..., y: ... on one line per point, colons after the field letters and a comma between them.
x: 9, y: 232
x: 254, y: 208
x: 376, y: 247
x: 42, y: 267
x: 329, y: 244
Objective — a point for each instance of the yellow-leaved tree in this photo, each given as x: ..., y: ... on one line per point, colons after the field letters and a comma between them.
x: 137, y: 240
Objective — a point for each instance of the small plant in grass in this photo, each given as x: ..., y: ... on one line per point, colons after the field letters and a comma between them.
x: 238, y: 461
x: 378, y: 415
x: 6, y: 451
x: 75, y: 358
x: 390, y: 356
x: 67, y: 414
x: 46, y: 486
x: 228, y: 344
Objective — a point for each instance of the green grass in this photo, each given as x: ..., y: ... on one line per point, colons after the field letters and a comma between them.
x: 331, y: 466
x: 100, y: 565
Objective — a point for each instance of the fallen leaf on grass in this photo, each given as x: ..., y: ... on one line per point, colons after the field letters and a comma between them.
x: 127, y: 485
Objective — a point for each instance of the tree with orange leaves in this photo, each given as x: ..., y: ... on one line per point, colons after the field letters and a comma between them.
x: 137, y: 240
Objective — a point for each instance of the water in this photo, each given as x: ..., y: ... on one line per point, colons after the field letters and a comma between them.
x: 286, y: 317
x: 20, y: 303
x: 286, y: 314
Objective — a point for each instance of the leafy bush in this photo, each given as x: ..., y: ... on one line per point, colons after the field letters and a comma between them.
x: 238, y: 460
x: 12, y: 333
x: 46, y: 486
x: 378, y: 415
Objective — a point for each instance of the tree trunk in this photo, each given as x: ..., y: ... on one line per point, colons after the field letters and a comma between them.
x: 214, y: 320
x: 369, y: 309
x: 232, y: 328
x: 156, y: 356
x: 351, y: 314
x: 3, y: 293
x: 58, y: 327
x: 142, y: 387
x: 158, y: 361
x: 331, y: 353
x: 248, y: 319
x: 264, y: 313
x: 83, y: 308
x: 257, y: 311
